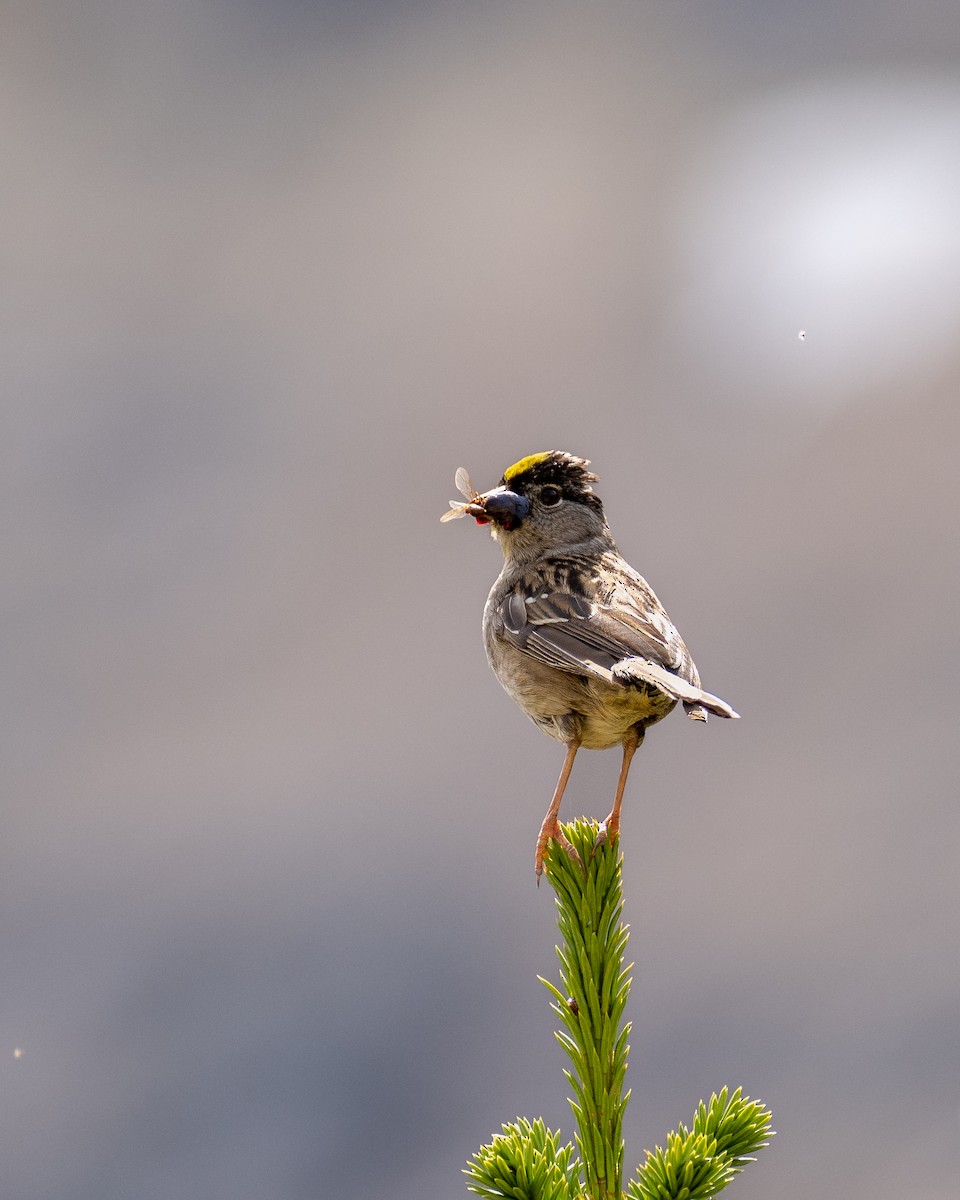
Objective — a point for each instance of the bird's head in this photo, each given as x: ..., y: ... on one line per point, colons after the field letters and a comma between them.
x: 544, y: 501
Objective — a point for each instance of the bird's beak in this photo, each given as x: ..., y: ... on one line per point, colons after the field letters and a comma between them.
x: 505, y: 508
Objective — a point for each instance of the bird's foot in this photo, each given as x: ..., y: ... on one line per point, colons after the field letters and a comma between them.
x: 550, y: 830
x: 609, y: 831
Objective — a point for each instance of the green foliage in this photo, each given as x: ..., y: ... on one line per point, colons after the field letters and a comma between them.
x: 698, y: 1163
x: 526, y: 1161
x: 595, y: 988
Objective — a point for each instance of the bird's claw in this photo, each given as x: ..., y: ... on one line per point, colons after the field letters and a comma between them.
x: 558, y: 835
x: 609, y: 830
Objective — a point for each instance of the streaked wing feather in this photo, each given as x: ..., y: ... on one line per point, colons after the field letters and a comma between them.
x: 559, y: 648
x: 614, y: 642
x: 604, y: 632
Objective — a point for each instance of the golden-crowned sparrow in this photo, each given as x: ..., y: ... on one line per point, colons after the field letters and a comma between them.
x: 573, y: 633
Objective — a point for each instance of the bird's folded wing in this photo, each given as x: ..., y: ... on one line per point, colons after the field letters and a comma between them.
x: 616, y: 644
x: 567, y: 631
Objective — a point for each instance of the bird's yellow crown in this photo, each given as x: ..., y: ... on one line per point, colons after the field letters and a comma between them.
x: 525, y: 464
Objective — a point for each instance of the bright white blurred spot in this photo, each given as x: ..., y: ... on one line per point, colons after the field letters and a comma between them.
x: 18, y: 1053
x: 838, y: 200
x: 802, y: 335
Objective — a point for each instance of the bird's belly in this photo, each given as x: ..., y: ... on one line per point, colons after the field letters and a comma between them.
x: 595, y: 713
x: 613, y: 714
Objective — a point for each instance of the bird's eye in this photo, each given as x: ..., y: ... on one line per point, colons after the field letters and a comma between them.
x: 550, y: 496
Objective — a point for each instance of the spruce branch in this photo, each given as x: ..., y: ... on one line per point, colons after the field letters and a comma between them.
x: 700, y: 1162
x: 526, y: 1161
x: 590, y: 1007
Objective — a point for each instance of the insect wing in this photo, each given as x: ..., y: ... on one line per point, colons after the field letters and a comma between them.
x: 456, y: 510
x: 464, y: 486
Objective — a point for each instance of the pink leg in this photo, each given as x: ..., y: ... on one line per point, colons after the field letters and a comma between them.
x: 611, y: 826
x: 551, y: 825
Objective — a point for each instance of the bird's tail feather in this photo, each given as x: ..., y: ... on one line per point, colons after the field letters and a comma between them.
x: 695, y: 700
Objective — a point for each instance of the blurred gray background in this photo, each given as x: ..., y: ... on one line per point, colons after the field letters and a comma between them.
x: 271, y: 272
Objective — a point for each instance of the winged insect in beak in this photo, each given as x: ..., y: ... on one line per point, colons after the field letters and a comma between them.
x: 473, y: 507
